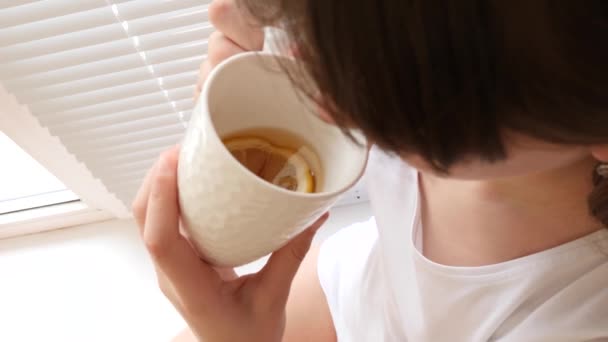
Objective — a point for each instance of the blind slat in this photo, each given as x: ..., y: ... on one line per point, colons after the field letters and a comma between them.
x: 21, y: 15
x: 13, y: 3
x: 121, y: 158
x: 55, y: 44
x: 118, y: 106
x: 113, y: 65
x: 124, y: 193
x: 116, y: 93
x: 151, y: 122
x: 102, y: 34
x: 125, y: 175
x: 108, y: 170
x: 111, y: 50
x: 164, y: 140
x: 56, y: 26
x: 132, y: 10
x: 86, y: 146
x: 106, y: 91
x: 87, y: 123
x: 52, y: 26
x: 72, y: 84
x: 129, y: 185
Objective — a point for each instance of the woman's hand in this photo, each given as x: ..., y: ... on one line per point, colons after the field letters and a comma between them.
x: 216, y: 304
x: 236, y: 32
x: 249, y: 308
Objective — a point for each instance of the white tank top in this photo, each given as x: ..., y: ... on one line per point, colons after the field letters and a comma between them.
x: 380, y: 287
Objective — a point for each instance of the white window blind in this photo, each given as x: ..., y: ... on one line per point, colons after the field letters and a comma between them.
x: 111, y: 79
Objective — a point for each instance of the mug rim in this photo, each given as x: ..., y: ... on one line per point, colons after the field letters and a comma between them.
x: 205, y: 112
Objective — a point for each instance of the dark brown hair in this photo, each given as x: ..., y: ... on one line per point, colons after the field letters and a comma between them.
x: 444, y: 78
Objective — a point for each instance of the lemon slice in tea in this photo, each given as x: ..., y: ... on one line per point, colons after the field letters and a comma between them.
x: 280, y: 166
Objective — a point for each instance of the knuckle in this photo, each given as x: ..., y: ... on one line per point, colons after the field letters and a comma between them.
x: 219, y: 11
x: 214, y: 37
x: 298, y: 253
x: 155, y: 247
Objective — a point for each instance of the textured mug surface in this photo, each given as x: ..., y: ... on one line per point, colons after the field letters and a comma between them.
x: 231, y: 216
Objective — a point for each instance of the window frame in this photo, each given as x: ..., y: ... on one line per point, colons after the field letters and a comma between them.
x: 53, y: 217
x: 96, y: 203
x: 37, y: 201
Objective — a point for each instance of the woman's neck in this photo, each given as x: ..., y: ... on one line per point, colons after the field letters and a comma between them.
x: 475, y: 223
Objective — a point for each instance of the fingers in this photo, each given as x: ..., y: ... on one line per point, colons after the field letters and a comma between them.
x: 162, y: 210
x: 277, y: 275
x: 237, y: 24
x: 220, y: 48
x: 237, y: 32
x: 140, y: 203
x: 191, y: 278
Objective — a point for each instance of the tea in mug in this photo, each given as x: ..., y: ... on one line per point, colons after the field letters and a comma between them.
x: 278, y: 157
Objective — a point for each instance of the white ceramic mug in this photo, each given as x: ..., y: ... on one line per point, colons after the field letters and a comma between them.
x: 231, y: 216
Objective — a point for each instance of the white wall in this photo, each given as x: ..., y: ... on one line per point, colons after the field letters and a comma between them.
x: 94, y: 283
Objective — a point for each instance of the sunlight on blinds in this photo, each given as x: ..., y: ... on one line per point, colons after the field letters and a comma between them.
x: 112, y: 79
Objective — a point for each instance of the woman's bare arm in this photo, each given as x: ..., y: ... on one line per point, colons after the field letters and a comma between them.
x: 308, y: 317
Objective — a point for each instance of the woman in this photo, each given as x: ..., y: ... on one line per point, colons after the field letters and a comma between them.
x: 488, y: 182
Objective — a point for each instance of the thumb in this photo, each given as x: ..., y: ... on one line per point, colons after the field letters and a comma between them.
x: 277, y: 275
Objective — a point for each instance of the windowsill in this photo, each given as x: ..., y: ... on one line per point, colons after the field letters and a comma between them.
x: 37, y: 201
x: 97, y: 278
x: 49, y: 218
